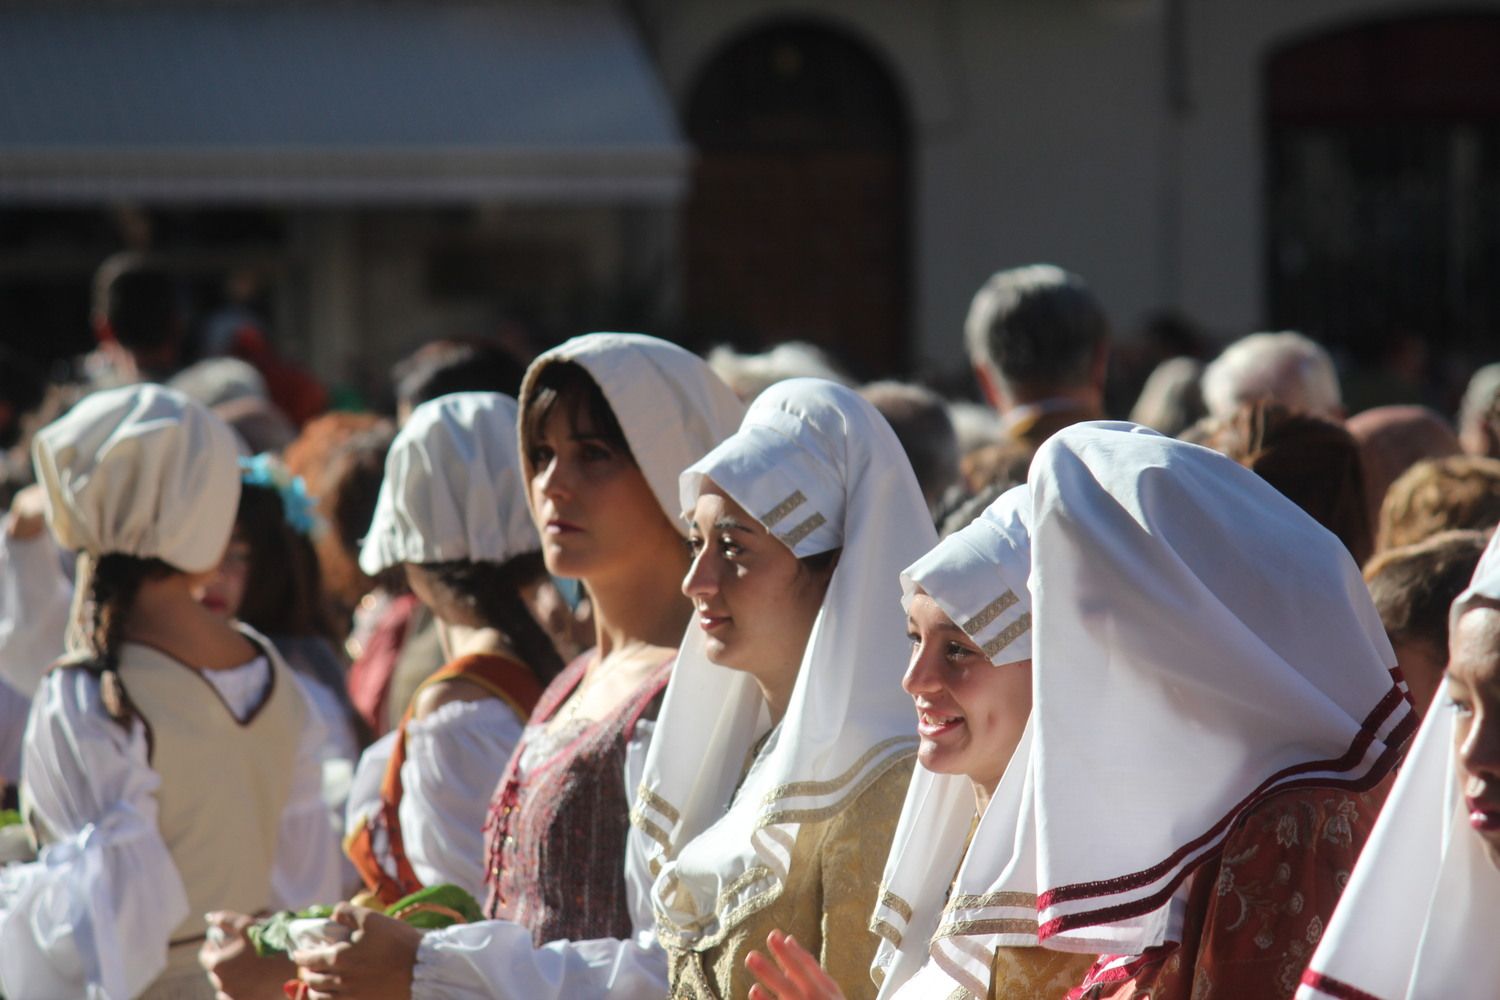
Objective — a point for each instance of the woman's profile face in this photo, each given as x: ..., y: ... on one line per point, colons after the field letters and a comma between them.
x: 970, y: 713
x: 753, y: 599
x: 1474, y: 695
x: 592, y: 507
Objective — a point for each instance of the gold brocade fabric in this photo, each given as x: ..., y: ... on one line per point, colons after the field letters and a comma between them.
x: 825, y: 904
x: 1040, y: 973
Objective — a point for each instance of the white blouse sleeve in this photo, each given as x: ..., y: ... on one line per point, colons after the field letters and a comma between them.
x: 35, y: 598
x: 93, y: 915
x: 496, y: 959
x: 454, y: 758
x: 307, y: 868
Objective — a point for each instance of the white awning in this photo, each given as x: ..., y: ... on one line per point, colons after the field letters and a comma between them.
x: 337, y: 103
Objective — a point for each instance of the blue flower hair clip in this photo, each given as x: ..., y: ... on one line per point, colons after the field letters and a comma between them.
x: 265, y: 470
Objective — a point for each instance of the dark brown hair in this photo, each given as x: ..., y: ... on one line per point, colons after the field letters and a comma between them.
x: 567, y: 384
x: 1313, y: 462
x: 284, y: 586
x: 1415, y: 585
x: 492, y: 592
x: 116, y: 581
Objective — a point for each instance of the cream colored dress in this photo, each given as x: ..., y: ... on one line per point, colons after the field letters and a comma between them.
x: 826, y: 903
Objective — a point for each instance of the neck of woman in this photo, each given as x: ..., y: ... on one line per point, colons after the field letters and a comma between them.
x: 472, y: 640
x: 642, y: 605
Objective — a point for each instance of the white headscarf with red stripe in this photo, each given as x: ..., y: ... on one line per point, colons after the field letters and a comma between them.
x: 1200, y: 643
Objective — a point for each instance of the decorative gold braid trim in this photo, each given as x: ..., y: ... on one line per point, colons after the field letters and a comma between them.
x: 650, y: 829
x: 821, y: 813
x: 801, y: 531
x: 1020, y: 900
x: 885, y: 930
x: 960, y: 994
x: 895, y: 902
x: 967, y: 927
x: 645, y: 796
x: 991, y: 611
x: 782, y: 509
x: 1012, y: 632
x: 796, y: 788
x: 749, y: 876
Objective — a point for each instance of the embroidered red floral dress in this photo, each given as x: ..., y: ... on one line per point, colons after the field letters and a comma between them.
x: 1256, y: 914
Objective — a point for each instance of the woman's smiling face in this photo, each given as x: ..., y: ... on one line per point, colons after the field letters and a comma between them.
x: 970, y: 713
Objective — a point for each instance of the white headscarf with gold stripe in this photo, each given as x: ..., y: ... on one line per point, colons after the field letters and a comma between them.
x: 978, y: 577
x: 821, y: 470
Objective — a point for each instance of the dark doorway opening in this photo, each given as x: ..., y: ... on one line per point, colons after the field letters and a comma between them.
x: 797, y: 225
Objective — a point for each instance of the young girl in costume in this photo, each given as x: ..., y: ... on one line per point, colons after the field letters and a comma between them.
x: 269, y: 579
x: 172, y: 763
x: 452, y: 511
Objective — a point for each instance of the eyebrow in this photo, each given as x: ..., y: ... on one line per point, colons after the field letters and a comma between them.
x: 731, y: 524
x: 946, y: 626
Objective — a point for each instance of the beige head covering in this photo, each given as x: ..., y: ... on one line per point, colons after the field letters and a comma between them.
x: 821, y: 469
x: 452, y: 487
x: 1419, y: 916
x: 977, y: 576
x: 143, y: 471
x: 669, y: 403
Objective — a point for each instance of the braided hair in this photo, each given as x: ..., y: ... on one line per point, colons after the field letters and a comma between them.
x: 117, y: 580
x: 492, y: 591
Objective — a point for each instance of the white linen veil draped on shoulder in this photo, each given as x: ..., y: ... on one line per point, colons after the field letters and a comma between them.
x: 1419, y: 916
x: 977, y: 576
x: 669, y: 403
x: 821, y: 470
x: 1200, y: 644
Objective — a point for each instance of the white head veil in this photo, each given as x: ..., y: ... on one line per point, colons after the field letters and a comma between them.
x: 670, y: 404
x: 1419, y: 916
x: 141, y: 471
x: 452, y: 487
x: 1200, y: 644
x: 977, y: 576
x: 820, y: 469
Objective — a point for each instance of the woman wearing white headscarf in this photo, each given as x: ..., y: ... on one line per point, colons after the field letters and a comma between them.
x: 171, y: 762
x: 1418, y: 919
x: 797, y: 840
x: 607, y: 423
x: 1214, y: 720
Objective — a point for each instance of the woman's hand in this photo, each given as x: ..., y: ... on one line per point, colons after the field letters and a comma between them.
x: 232, y: 965
x: 376, y: 963
x: 794, y: 975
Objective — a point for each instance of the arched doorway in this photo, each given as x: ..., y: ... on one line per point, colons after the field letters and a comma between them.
x: 796, y: 227
x: 1383, y: 183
